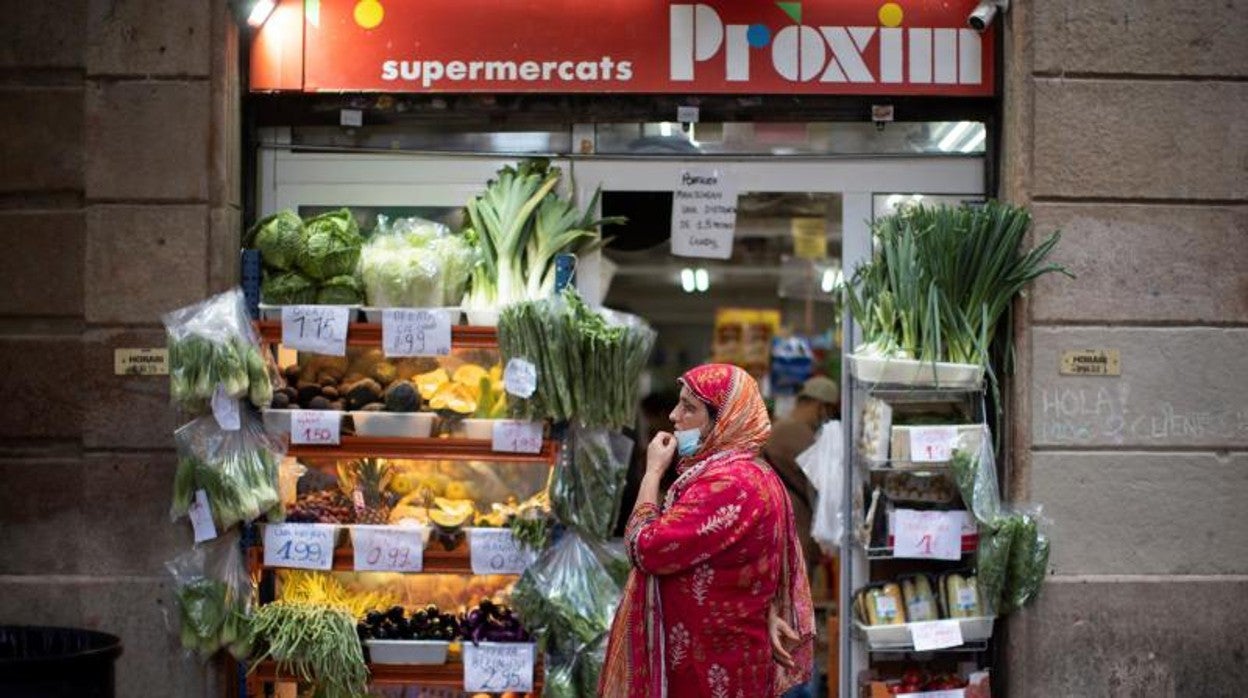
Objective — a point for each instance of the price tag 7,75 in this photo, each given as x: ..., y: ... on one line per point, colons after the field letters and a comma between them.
x: 515, y: 436
x: 316, y: 427
x: 495, y: 667
x: 388, y: 548
x: 321, y: 329
x: 302, y: 546
x: 496, y: 551
x: 406, y: 332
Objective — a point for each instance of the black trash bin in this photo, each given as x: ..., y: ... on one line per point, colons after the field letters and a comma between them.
x: 38, y: 662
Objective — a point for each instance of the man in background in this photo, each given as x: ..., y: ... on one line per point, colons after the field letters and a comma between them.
x: 818, y: 401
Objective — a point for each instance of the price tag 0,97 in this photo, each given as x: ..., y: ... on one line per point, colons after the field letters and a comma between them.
x: 495, y: 667
x: 321, y: 329
x: 496, y: 551
x: 931, y: 535
x: 407, y: 332
x: 516, y: 436
x: 302, y: 546
x: 316, y: 427
x: 388, y: 549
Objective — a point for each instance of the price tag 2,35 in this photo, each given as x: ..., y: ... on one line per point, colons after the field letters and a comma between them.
x: 495, y: 667
x: 321, y: 329
x: 388, y: 548
x: 407, y: 332
x: 931, y: 535
x: 932, y: 444
x: 496, y: 551
x: 302, y: 546
x: 935, y: 635
x: 517, y: 436
x: 316, y: 427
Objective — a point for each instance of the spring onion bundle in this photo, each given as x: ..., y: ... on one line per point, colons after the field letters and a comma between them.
x: 213, y: 594
x: 588, y: 362
x: 314, y: 644
x: 237, y: 470
x: 212, y: 344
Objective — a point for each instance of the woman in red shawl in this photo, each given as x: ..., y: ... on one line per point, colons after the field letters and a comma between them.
x: 717, y: 604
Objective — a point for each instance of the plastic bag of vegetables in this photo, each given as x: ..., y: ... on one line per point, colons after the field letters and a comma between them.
x: 212, y: 344
x: 975, y: 470
x: 415, y: 263
x: 213, y: 593
x: 587, y: 493
x: 237, y: 470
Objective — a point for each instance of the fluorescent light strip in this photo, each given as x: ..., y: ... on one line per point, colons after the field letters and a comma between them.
x: 946, y: 143
x: 975, y: 140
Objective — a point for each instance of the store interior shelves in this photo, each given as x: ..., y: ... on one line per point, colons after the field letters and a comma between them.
x: 369, y: 334
x: 427, y: 448
x: 449, y: 675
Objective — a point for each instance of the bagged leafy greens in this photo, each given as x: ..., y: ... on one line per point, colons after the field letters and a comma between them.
x: 237, y: 470
x: 212, y: 344
x: 975, y: 470
x: 213, y: 593
x: 415, y: 263
x: 586, y: 493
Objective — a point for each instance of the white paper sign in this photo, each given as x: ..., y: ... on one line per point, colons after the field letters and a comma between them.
x: 225, y: 409
x: 704, y: 214
x: 303, y: 546
x: 935, y: 635
x: 388, y: 548
x: 407, y: 332
x: 932, y: 535
x: 496, y: 551
x: 495, y: 667
x: 932, y: 444
x: 321, y: 329
x: 316, y: 427
x: 520, y: 377
x: 516, y: 436
x: 200, y: 513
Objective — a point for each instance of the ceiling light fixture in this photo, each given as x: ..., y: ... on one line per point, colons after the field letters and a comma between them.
x: 702, y: 280
x: 687, y: 281
x: 946, y: 143
x: 975, y: 140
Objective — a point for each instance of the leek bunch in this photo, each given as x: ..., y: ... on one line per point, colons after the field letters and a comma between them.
x: 520, y: 224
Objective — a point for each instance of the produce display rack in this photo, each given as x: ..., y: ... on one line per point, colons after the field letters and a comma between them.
x: 427, y: 448
x: 449, y: 675
x: 369, y: 334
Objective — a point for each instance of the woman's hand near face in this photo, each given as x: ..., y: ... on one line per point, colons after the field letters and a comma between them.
x: 659, y: 454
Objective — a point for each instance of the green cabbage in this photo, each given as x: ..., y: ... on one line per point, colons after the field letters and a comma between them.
x: 332, y: 245
x: 287, y: 288
x: 414, y: 263
x: 280, y: 238
x: 341, y: 290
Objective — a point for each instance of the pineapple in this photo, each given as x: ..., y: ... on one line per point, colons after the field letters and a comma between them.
x: 365, y: 482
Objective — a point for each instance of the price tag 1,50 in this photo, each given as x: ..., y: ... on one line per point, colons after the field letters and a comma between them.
x: 495, y: 667
x: 932, y: 444
x: 496, y: 551
x: 406, y: 332
x: 321, y: 329
x: 388, y: 548
x: 316, y: 427
x: 931, y: 535
x: 516, y: 436
x: 302, y: 546
x: 935, y: 635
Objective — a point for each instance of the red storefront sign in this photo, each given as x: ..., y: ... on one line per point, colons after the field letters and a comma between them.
x: 859, y: 47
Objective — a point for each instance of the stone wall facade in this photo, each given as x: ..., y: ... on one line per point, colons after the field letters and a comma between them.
x: 119, y: 200
x: 1127, y: 128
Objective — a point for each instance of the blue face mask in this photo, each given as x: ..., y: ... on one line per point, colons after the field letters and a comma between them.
x: 688, y: 441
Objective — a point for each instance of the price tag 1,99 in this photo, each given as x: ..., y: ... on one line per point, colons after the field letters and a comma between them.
x: 316, y: 427
x: 388, y: 548
x: 516, y: 436
x: 935, y: 635
x: 932, y: 444
x: 931, y: 535
x: 496, y: 551
x: 406, y: 332
x: 495, y: 667
x: 302, y: 546
x: 321, y: 329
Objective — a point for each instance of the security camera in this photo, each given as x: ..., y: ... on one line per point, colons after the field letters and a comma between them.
x: 984, y: 13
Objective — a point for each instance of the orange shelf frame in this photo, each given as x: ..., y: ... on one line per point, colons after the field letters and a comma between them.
x: 426, y: 449
x: 449, y: 675
x: 369, y: 334
x: 437, y: 559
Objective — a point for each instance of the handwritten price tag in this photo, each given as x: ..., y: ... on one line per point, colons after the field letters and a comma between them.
x: 496, y: 551
x: 931, y: 535
x: 200, y: 514
x: 321, y: 329
x: 935, y: 635
x: 303, y: 546
x: 495, y: 667
x: 406, y: 332
x: 515, y: 436
x: 225, y: 409
x: 520, y: 377
x: 316, y: 427
x: 932, y: 444
x: 388, y: 549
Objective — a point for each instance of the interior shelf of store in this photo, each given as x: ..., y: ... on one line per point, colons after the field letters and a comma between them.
x: 369, y: 334
x: 449, y: 675
x: 897, y: 637
x: 422, y: 449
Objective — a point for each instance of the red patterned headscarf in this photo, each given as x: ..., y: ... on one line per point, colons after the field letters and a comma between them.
x: 740, y: 416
